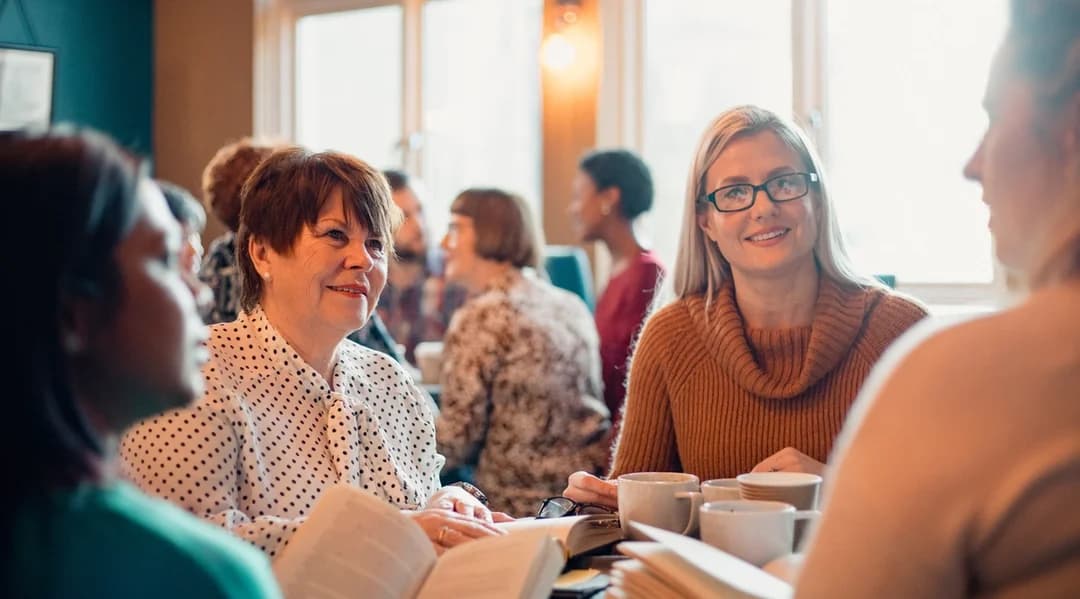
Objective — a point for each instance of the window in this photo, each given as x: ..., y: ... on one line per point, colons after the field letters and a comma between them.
x: 903, y: 119
x: 696, y: 65
x: 892, y: 93
x: 348, y: 83
x: 448, y: 90
x: 481, y: 100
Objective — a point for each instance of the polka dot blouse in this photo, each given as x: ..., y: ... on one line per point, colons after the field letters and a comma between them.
x: 256, y: 452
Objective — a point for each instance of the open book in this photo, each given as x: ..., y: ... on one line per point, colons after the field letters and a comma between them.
x: 678, y: 566
x: 356, y: 545
x: 578, y: 533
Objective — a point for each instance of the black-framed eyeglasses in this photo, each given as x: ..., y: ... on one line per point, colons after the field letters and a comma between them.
x: 557, y: 507
x: 741, y: 196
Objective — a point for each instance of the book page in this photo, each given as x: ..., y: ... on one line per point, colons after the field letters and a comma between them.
x: 578, y: 533
x: 354, y: 544
x: 523, y: 564
x: 701, y: 569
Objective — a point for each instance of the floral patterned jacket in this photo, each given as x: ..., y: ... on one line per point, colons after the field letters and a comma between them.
x: 521, y: 392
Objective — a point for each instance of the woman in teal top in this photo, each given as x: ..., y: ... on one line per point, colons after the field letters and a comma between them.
x: 106, y: 333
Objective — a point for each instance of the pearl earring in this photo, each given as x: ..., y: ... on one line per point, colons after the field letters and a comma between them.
x: 72, y: 343
x: 265, y: 276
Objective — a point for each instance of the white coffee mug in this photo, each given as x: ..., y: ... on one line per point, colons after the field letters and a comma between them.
x: 668, y: 500
x: 720, y: 489
x: 754, y: 531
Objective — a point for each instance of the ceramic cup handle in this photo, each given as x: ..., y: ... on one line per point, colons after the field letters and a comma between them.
x: 695, y: 498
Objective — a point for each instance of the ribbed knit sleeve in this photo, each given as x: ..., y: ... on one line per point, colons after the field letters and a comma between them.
x: 892, y: 314
x: 647, y: 438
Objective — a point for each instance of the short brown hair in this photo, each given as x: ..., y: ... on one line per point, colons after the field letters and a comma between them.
x: 287, y: 192
x: 224, y: 177
x: 505, y: 230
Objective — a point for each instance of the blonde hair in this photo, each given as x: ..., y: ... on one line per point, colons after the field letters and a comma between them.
x: 700, y: 268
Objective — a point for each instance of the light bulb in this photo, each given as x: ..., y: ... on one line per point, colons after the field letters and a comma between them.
x: 558, y: 52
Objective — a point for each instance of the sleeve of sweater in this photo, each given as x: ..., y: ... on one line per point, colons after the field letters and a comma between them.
x: 189, y: 457
x: 893, y: 315
x: 647, y: 437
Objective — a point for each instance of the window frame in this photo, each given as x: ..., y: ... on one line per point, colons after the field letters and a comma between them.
x: 621, y: 120
x: 275, y: 71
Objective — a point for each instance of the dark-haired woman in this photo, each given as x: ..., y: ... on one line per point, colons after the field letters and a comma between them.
x: 106, y: 334
x: 611, y: 190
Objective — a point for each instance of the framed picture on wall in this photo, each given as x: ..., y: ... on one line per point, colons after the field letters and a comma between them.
x: 26, y: 86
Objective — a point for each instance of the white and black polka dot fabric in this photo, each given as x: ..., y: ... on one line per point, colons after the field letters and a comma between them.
x: 270, y: 434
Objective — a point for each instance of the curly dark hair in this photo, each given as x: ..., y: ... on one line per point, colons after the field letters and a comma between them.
x: 625, y: 171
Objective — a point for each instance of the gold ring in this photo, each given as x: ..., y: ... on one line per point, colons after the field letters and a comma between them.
x: 442, y: 535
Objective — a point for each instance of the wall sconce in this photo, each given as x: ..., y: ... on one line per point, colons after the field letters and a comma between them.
x: 559, y: 50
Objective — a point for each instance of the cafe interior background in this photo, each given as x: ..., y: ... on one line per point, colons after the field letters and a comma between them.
x: 512, y: 92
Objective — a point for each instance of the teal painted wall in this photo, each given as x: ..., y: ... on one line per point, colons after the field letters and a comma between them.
x: 104, y: 62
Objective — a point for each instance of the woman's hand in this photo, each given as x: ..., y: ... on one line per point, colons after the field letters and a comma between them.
x: 456, y: 499
x: 790, y: 459
x: 587, y: 488
x: 446, y: 529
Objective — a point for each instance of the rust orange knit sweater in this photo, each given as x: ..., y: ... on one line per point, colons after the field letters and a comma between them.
x: 710, y: 397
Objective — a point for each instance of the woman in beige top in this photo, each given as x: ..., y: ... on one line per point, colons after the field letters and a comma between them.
x: 958, y: 472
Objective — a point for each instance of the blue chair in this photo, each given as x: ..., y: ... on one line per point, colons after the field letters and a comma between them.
x: 568, y: 268
x: 888, y: 280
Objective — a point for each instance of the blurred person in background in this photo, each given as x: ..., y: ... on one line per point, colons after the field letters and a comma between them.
x: 222, y: 182
x: 417, y: 303
x: 611, y: 189
x: 521, y: 387
x: 192, y: 218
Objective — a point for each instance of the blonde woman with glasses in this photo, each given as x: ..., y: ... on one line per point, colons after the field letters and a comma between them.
x: 755, y: 363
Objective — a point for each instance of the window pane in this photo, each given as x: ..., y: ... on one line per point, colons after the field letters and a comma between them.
x: 702, y: 57
x: 905, y: 82
x: 481, y: 100
x: 348, y: 83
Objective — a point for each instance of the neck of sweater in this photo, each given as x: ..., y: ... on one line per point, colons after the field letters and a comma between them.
x: 780, y: 363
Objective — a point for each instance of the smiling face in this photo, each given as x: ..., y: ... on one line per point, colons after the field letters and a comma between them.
x: 144, y: 357
x: 329, y: 281
x: 768, y: 239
